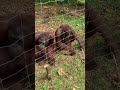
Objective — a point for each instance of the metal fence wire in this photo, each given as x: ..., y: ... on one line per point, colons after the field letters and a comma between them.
x: 10, y: 78
x: 49, y: 18
x: 14, y: 60
x: 101, y: 49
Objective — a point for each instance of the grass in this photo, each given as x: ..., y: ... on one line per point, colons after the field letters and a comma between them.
x: 75, y: 72
x: 72, y: 65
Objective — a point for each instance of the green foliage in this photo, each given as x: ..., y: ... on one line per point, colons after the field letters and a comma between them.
x: 63, y: 1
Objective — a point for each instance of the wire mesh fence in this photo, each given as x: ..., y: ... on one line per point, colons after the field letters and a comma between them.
x: 102, y: 52
x: 8, y: 63
x: 14, y: 60
x: 94, y: 52
x: 50, y: 15
x: 67, y: 72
